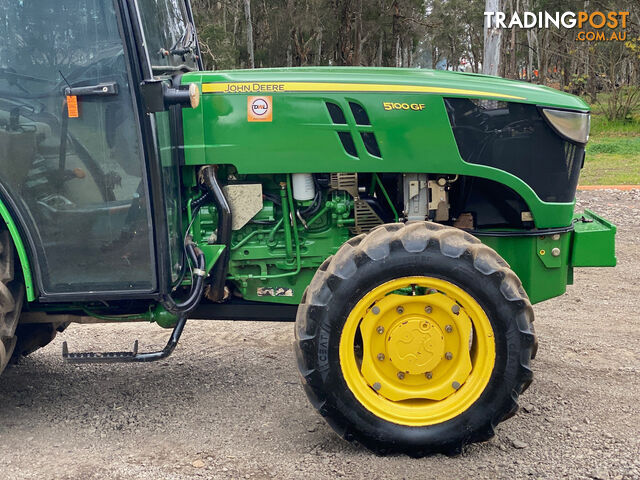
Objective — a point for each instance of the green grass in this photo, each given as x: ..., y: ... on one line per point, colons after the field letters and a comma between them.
x: 613, y: 151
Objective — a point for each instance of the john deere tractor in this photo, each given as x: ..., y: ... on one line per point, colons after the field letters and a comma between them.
x: 406, y: 220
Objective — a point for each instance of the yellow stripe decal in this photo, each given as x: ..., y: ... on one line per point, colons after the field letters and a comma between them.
x: 285, y: 87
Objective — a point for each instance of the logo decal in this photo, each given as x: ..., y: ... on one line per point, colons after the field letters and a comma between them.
x: 416, y: 107
x: 259, y: 109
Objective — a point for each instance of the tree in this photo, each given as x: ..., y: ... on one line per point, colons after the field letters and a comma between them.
x: 247, y: 16
x: 492, y: 40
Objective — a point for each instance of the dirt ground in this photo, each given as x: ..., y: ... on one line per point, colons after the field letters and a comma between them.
x: 228, y: 404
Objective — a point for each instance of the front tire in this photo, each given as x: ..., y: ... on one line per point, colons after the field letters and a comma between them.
x: 416, y: 339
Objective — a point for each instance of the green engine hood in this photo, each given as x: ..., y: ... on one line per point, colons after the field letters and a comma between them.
x: 409, y: 80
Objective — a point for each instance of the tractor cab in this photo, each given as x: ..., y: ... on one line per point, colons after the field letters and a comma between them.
x: 89, y: 177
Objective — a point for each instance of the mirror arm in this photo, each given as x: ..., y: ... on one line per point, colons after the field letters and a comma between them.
x: 158, y: 96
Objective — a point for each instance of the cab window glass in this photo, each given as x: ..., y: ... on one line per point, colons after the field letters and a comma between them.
x: 170, y: 38
x: 78, y: 180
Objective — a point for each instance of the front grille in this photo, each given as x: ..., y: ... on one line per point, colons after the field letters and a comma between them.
x: 514, y: 137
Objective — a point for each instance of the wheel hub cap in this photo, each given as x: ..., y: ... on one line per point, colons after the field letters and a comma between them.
x: 402, y: 343
x: 415, y: 345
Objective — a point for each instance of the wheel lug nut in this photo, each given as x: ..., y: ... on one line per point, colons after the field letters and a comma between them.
x: 456, y: 309
x: 455, y: 385
x: 401, y: 375
x: 381, y: 356
x: 375, y: 310
x: 400, y: 310
x: 376, y: 386
x: 429, y: 375
x: 380, y: 329
x: 449, y: 328
x: 428, y: 309
x: 448, y: 355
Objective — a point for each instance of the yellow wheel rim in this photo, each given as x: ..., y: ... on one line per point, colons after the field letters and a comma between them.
x: 417, y: 351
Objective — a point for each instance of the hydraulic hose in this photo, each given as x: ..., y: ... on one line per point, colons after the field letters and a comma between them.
x: 194, y: 209
x: 213, y: 190
x: 219, y: 275
x: 197, y: 286
x: 198, y: 202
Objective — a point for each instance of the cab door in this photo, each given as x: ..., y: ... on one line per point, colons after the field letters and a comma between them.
x: 71, y: 162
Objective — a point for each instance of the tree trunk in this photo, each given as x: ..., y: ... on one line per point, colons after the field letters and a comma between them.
x: 530, y: 50
x: 492, y: 41
x: 345, y: 42
x: 235, y: 23
x: 247, y: 15
x: 543, y: 57
x: 396, y: 34
x: 319, y: 52
x: 513, y: 73
x: 224, y: 18
x: 357, y: 47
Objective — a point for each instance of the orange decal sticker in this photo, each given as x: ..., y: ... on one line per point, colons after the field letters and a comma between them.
x: 259, y: 109
x: 72, y: 106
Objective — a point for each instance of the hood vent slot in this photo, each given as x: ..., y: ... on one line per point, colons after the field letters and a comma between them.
x: 371, y: 144
x: 359, y: 114
x: 348, y: 144
x: 336, y: 113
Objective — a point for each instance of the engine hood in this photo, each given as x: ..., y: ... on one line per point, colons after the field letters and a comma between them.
x: 397, y: 80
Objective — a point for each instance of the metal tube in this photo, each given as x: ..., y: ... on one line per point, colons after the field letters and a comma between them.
x: 286, y: 217
x: 322, y: 212
x: 169, y: 347
x: 386, y: 195
x: 249, y: 237
x: 220, y: 269
x: 271, y: 239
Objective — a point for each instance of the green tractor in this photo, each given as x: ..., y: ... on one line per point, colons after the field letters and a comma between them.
x: 406, y: 220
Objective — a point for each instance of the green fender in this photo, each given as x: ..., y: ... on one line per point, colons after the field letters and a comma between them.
x: 22, y: 253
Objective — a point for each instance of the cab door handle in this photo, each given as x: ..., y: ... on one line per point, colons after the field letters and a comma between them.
x: 99, y: 90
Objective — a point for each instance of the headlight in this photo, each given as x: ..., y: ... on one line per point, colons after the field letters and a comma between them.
x: 573, y: 126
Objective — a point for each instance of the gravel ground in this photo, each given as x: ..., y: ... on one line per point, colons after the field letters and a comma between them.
x: 228, y: 404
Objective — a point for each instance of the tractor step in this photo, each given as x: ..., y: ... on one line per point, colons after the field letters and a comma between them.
x: 128, y: 357
x: 99, y: 357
